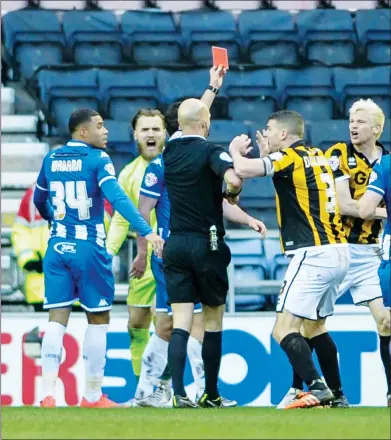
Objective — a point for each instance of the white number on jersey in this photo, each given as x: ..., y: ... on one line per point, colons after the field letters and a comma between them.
x: 330, y: 192
x: 74, y: 194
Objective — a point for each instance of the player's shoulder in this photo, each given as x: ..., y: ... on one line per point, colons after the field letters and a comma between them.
x: 338, y: 149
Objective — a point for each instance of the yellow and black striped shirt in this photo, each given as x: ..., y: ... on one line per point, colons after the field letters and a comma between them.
x: 348, y: 163
x: 307, y: 209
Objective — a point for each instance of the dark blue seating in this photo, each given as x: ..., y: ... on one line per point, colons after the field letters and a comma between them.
x: 374, y: 33
x: 326, y: 134
x: 151, y: 37
x: 93, y: 37
x: 308, y: 91
x: 269, y: 37
x: 328, y: 36
x: 203, y: 29
x: 353, y: 84
x: 124, y: 92
x: 34, y: 38
x: 223, y: 131
x: 385, y: 138
x: 251, y: 94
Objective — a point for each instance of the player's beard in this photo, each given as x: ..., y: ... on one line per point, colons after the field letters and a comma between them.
x: 149, y: 155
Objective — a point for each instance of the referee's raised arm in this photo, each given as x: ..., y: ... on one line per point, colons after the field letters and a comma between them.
x: 196, y: 256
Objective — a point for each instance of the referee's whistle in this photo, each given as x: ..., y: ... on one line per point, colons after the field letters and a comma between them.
x: 213, y: 238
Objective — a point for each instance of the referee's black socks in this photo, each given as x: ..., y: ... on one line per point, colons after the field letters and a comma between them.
x: 211, y: 355
x: 177, y: 351
x: 300, y: 356
x: 386, y: 358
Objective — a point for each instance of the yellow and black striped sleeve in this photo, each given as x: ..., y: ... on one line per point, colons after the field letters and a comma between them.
x: 283, y: 162
x: 337, y: 156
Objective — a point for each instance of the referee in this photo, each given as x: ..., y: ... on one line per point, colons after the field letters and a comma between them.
x: 195, y: 255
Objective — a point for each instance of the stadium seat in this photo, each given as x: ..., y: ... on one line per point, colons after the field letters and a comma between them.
x: 120, y: 138
x: 151, y: 37
x: 223, y: 131
x: 385, y: 138
x: 308, y: 91
x: 353, y: 84
x: 93, y: 37
x: 62, y: 108
x: 374, y: 33
x: 74, y: 83
x: 203, y: 29
x: 326, y: 134
x: 34, y: 38
x: 250, y: 93
x: 124, y: 92
x: 327, y: 35
x: 269, y: 37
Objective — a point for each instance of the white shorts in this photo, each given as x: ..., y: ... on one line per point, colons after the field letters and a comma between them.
x: 311, y: 281
x: 362, y: 278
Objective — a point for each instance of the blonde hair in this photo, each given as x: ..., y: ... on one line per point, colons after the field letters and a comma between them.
x: 372, y: 109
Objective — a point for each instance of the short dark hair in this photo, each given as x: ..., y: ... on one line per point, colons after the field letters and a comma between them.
x: 80, y: 116
x: 171, y: 116
x: 292, y: 120
x: 147, y: 112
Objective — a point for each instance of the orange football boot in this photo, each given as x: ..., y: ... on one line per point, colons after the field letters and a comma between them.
x: 103, y: 402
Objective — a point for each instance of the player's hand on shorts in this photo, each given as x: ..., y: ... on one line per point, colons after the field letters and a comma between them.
x: 157, y: 243
x: 263, y: 144
x: 257, y: 225
x: 216, y: 76
x: 241, y: 144
x: 138, y: 267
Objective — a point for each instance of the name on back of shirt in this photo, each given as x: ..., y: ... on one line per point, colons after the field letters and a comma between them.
x: 66, y: 165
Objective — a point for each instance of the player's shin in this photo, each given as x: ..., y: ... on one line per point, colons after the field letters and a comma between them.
x: 139, y: 338
x: 51, y: 357
x: 194, y: 351
x: 94, y: 354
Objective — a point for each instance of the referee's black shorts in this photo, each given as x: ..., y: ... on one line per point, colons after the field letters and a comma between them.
x: 193, y: 272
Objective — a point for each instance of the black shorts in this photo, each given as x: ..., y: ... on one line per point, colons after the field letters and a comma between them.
x: 193, y: 272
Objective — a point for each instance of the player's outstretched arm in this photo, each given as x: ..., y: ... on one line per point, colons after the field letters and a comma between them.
x: 121, y: 203
x: 246, y: 168
x: 235, y: 214
x: 145, y: 206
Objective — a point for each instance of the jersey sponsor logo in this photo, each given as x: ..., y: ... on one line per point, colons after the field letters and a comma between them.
x: 65, y: 248
x: 334, y: 163
x: 352, y: 162
x: 225, y: 157
x: 150, y: 179
x: 372, y: 177
x: 67, y: 165
x: 360, y: 178
x: 109, y: 167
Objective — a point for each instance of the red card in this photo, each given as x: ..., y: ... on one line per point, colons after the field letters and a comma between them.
x: 220, y: 56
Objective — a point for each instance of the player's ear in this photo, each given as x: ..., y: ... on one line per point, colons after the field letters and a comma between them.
x: 283, y: 134
x: 376, y: 130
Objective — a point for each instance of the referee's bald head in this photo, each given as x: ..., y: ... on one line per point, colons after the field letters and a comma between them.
x: 194, y: 117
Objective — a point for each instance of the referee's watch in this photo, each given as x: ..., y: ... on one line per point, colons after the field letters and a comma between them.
x: 215, y: 90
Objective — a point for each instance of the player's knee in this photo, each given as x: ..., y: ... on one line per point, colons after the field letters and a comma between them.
x: 164, y: 328
x: 99, y: 318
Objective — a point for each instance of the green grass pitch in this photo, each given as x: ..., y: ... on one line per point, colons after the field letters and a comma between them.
x: 233, y: 423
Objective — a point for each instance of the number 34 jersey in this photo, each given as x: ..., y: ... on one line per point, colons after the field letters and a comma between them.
x: 73, y: 175
x: 307, y: 209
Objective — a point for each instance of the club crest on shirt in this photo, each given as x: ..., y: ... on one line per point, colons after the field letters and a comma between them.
x: 334, y: 163
x: 150, y: 179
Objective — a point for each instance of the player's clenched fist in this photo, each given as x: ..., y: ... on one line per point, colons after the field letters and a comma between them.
x: 157, y: 243
x: 241, y: 144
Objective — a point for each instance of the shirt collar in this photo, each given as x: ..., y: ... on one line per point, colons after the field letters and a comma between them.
x: 192, y: 136
x: 299, y: 143
x: 75, y: 143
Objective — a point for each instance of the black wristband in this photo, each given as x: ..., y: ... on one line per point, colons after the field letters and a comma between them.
x: 215, y: 90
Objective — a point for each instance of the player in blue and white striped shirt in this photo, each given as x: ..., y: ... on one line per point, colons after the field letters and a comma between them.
x: 70, y: 192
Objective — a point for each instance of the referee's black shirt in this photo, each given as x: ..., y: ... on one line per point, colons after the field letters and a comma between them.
x: 193, y: 173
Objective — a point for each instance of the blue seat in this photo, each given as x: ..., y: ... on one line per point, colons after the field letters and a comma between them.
x: 374, y: 33
x: 77, y: 83
x: 151, y: 37
x: 250, y: 302
x: 272, y: 248
x: 34, y: 38
x: 250, y: 93
x: 328, y: 36
x: 93, y: 37
x: 249, y: 255
x: 258, y: 192
x: 385, y: 138
x: 120, y: 138
x: 203, y: 29
x: 326, y: 134
x: 124, y: 92
x: 63, y: 107
x: 223, y: 131
x: 308, y: 91
x: 279, y: 267
x: 269, y: 37
x: 353, y: 84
